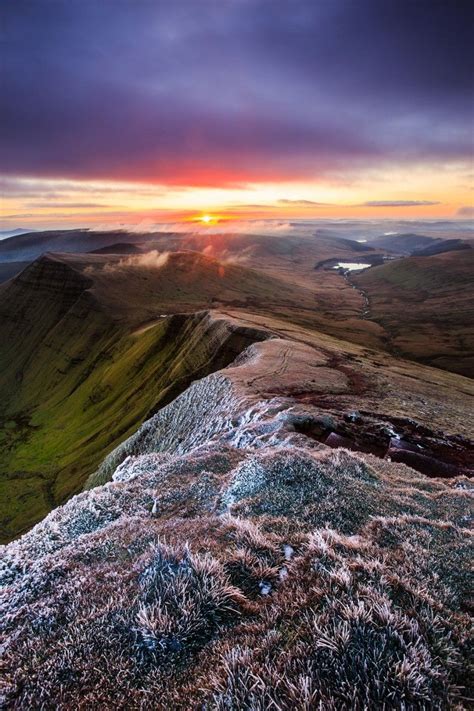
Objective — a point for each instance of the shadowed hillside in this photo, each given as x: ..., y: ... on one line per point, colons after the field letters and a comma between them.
x: 30, y: 245
x: 405, y: 243
x: 10, y: 269
x: 138, y: 288
x: 76, y: 372
x: 426, y: 305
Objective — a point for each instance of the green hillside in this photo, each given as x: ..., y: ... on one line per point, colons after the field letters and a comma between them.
x: 75, y: 382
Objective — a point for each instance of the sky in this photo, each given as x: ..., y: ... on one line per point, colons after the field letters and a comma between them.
x: 141, y: 111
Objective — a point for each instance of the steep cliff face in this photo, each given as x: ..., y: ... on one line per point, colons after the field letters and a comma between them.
x: 74, y: 382
x: 239, y: 558
x: 31, y: 307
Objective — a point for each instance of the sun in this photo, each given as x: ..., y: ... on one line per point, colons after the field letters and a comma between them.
x: 206, y: 219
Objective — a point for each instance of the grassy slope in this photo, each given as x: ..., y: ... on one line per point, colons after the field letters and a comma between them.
x: 90, y: 411
x: 426, y: 304
x: 273, y: 279
x: 56, y: 442
x: 75, y: 382
x: 184, y: 282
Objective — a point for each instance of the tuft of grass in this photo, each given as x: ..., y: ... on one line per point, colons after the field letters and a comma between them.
x: 108, y: 603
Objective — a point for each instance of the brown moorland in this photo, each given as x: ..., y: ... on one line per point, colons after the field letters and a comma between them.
x: 426, y: 306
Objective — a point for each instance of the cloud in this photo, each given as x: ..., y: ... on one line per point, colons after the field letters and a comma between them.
x: 147, y: 260
x: 465, y: 211
x: 152, y: 259
x: 369, y: 203
x: 18, y: 216
x: 223, y: 93
x: 48, y: 204
x: 398, y: 203
x: 227, y: 257
x: 304, y: 203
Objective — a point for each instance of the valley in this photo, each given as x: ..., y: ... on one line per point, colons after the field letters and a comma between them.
x: 426, y: 306
x: 93, y: 343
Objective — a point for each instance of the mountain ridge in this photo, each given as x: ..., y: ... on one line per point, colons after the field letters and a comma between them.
x: 231, y: 546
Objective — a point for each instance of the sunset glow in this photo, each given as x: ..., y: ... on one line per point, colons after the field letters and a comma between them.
x: 208, y: 219
x: 228, y: 113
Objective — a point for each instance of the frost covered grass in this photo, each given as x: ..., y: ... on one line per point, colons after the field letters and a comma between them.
x: 347, y: 631
x: 244, y: 579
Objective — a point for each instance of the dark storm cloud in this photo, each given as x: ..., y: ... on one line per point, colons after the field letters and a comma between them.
x: 204, y: 91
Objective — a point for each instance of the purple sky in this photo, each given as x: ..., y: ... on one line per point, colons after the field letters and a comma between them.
x: 223, y: 91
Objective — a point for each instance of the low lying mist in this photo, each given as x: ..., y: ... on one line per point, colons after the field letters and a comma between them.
x: 147, y: 260
x: 152, y: 259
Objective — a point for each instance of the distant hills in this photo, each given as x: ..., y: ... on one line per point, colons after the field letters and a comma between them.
x: 448, y: 245
x: 416, y: 244
x: 404, y: 243
x: 4, y: 234
x: 118, y: 248
x: 30, y: 245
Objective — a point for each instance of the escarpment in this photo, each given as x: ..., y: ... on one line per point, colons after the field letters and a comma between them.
x: 75, y: 383
x: 234, y: 558
x: 315, y: 394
